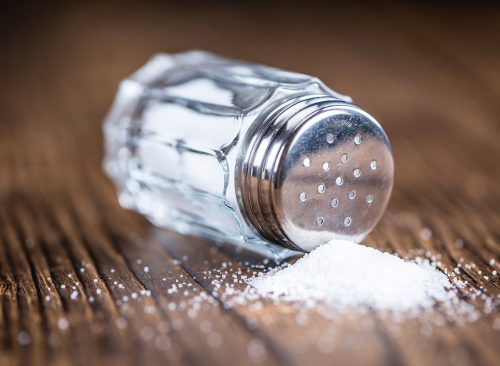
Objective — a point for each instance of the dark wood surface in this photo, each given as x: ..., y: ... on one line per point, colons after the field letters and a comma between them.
x: 69, y: 254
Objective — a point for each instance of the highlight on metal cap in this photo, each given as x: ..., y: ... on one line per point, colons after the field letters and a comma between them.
x: 313, y: 170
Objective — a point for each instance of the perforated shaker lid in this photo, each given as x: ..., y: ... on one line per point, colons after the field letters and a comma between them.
x: 314, y: 170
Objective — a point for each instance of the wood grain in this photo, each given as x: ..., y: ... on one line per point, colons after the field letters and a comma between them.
x: 74, y: 288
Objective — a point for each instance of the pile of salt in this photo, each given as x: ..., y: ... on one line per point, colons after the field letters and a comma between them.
x: 343, y: 274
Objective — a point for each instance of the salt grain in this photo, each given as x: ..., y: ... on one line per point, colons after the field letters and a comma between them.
x: 62, y: 324
x: 326, y: 343
x: 206, y: 326
x: 426, y: 234
x: 163, y: 327
x: 162, y: 343
x: 149, y: 309
x: 214, y: 339
x: 177, y: 324
x: 256, y: 350
x: 146, y: 333
x: 23, y: 338
x: 121, y: 323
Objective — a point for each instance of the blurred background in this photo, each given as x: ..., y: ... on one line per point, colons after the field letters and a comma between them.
x: 430, y: 73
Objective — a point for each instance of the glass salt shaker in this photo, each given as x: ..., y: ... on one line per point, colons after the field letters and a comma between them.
x: 246, y: 154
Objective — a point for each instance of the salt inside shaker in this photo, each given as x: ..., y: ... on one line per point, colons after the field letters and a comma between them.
x: 247, y: 154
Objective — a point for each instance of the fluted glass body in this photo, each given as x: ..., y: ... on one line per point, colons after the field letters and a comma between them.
x: 174, y: 133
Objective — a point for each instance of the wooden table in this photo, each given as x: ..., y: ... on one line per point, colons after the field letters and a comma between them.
x: 71, y: 259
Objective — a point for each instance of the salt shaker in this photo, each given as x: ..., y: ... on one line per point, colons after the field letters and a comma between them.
x: 247, y: 154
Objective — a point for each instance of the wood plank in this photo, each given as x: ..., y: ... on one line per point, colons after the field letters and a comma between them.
x: 74, y: 288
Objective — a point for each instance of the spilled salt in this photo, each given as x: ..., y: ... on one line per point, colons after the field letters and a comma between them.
x: 344, y: 274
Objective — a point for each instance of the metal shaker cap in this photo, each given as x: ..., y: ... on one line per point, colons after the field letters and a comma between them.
x: 314, y: 169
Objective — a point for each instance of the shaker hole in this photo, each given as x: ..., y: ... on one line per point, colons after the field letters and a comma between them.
x: 357, y: 172
x: 352, y: 195
x: 329, y: 138
x: 343, y: 158
x: 369, y: 198
x: 302, y: 196
x: 373, y: 164
x: 326, y: 166
x: 321, y: 188
x: 334, y: 202
x: 320, y: 221
x: 307, y: 162
x: 339, y: 181
x: 357, y: 140
x: 347, y: 221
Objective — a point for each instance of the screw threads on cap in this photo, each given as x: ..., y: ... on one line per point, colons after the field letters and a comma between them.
x: 257, y: 178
